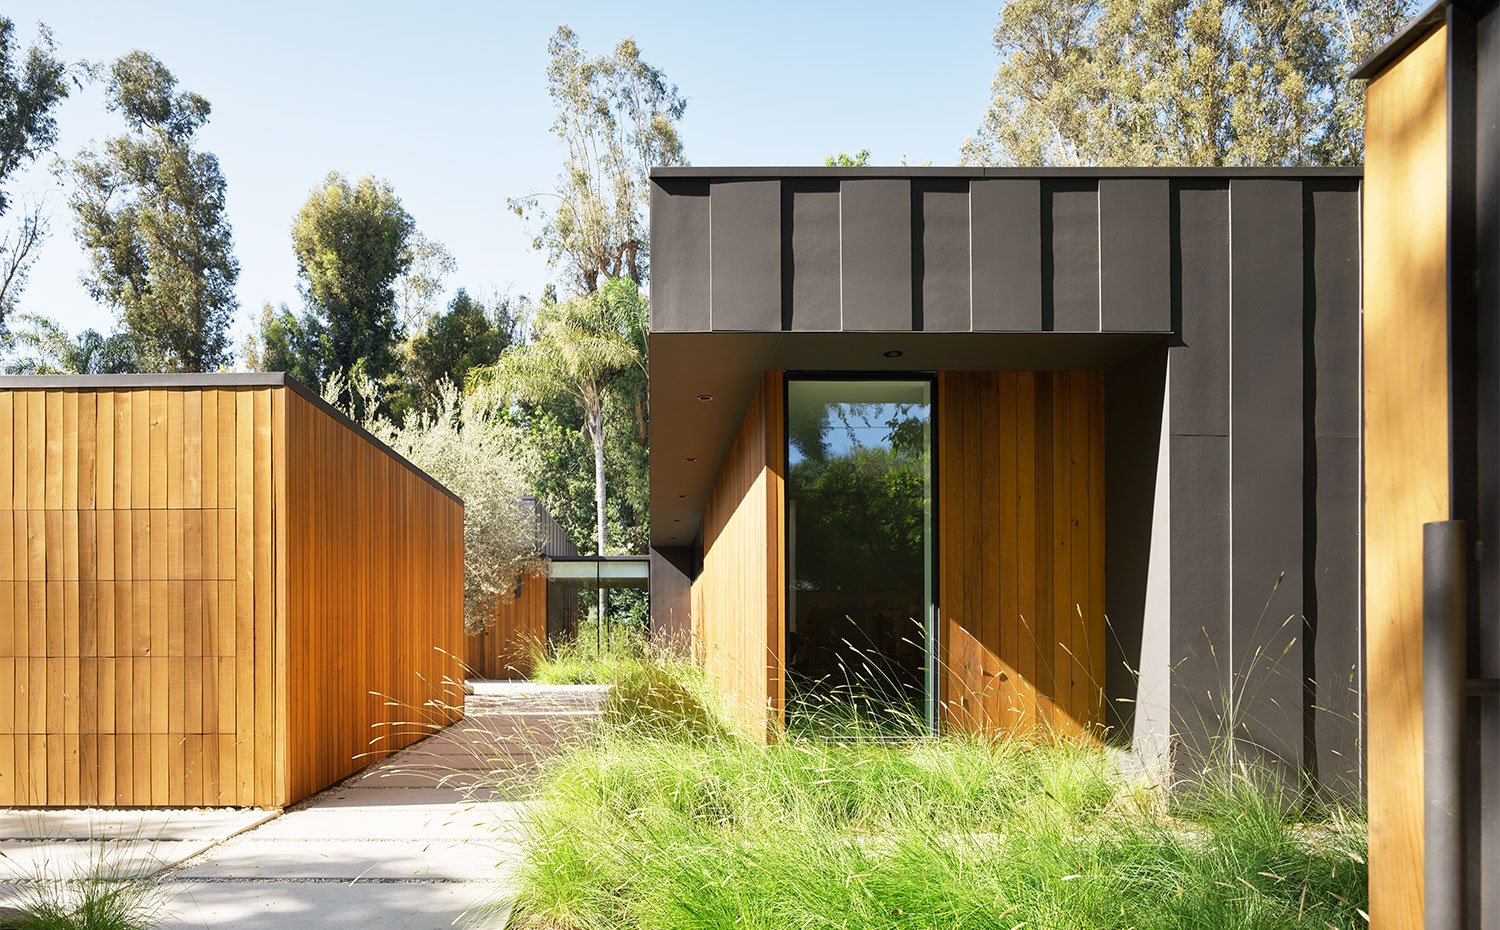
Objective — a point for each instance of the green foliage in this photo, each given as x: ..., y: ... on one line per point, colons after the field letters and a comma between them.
x: 665, y: 824
x: 286, y: 342
x: 40, y: 346
x: 617, y: 117
x: 475, y: 455
x: 31, y: 88
x: 578, y: 353
x: 1181, y: 82
x: 149, y: 211
x: 351, y: 246
x: 844, y: 160
x: 467, y: 336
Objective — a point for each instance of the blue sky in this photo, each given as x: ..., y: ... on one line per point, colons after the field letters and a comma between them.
x: 448, y: 102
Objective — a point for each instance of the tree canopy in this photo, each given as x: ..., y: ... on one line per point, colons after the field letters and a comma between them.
x: 617, y: 117
x: 1180, y: 82
x: 32, y: 85
x: 149, y: 211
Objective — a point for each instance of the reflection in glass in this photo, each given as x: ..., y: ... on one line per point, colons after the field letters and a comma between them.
x: 859, y: 543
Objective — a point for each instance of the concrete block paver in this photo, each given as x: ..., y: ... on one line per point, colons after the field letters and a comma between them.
x: 421, y: 840
x: 284, y: 905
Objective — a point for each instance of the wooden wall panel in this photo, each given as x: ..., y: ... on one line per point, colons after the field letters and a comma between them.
x: 1406, y: 443
x: 114, y: 584
x: 374, y: 602
x: 739, y: 624
x: 184, y: 586
x: 504, y: 649
x: 1021, y: 550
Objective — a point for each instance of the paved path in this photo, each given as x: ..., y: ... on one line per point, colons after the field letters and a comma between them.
x: 426, y: 840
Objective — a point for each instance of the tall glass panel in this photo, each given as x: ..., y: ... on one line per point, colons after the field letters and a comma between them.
x: 860, y: 642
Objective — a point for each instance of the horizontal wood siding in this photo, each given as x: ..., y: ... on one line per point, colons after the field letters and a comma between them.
x: 505, y: 647
x: 135, y: 572
x: 374, y: 621
x: 1021, y: 550
x: 149, y: 545
x: 738, y: 599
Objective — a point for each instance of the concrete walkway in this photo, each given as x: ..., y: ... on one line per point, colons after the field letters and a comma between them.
x: 428, y: 839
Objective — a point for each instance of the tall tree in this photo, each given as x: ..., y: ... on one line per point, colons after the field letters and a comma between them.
x: 1180, y: 82
x: 32, y: 85
x: 150, y: 213
x: 617, y: 117
x: 351, y: 245
x: 579, y: 350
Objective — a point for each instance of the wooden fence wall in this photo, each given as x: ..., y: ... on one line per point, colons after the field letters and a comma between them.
x: 146, y: 632
x: 739, y: 624
x: 373, y: 601
x: 1021, y: 549
x: 504, y: 649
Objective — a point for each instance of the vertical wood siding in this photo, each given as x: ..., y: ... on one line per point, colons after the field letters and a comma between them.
x: 135, y: 563
x: 504, y: 649
x: 145, y: 568
x: 1406, y: 442
x: 739, y: 626
x: 374, y: 618
x: 1021, y: 550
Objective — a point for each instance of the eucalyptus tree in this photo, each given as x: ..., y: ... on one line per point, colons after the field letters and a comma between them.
x: 1181, y: 82
x: 617, y: 117
x: 579, y: 351
x: 32, y: 85
x: 150, y: 212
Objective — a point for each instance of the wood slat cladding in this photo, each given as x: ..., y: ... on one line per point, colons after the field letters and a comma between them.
x: 738, y: 601
x: 1406, y: 443
x: 1021, y: 550
x: 145, y: 573
x: 374, y: 623
x: 504, y: 649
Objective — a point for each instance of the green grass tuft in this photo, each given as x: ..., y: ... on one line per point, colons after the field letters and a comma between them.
x: 669, y: 820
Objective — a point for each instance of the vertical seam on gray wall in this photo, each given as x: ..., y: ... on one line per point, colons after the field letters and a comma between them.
x: 1099, y: 268
x: 1229, y: 491
x: 1362, y: 684
x: 710, y: 187
x: 969, y: 217
x: 841, y: 256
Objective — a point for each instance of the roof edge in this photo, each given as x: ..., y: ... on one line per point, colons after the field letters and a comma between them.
x: 902, y: 171
x: 1421, y: 24
x: 231, y: 379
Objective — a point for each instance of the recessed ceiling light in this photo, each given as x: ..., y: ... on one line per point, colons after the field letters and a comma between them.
x: 676, y: 521
x: 705, y: 397
x: 682, y: 497
x: 894, y: 353
x: 692, y: 458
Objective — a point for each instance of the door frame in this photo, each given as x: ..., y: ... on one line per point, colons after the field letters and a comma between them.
x: 933, y: 621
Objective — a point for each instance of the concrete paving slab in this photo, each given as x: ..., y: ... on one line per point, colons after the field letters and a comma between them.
x: 426, y: 821
x: 364, y: 794
x: 73, y: 860
x: 351, y: 860
x: 155, y: 824
x: 315, y: 905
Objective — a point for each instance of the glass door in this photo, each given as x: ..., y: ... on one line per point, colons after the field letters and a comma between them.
x: 861, y: 642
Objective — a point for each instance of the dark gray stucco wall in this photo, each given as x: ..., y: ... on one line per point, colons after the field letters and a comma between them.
x: 1233, y: 459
